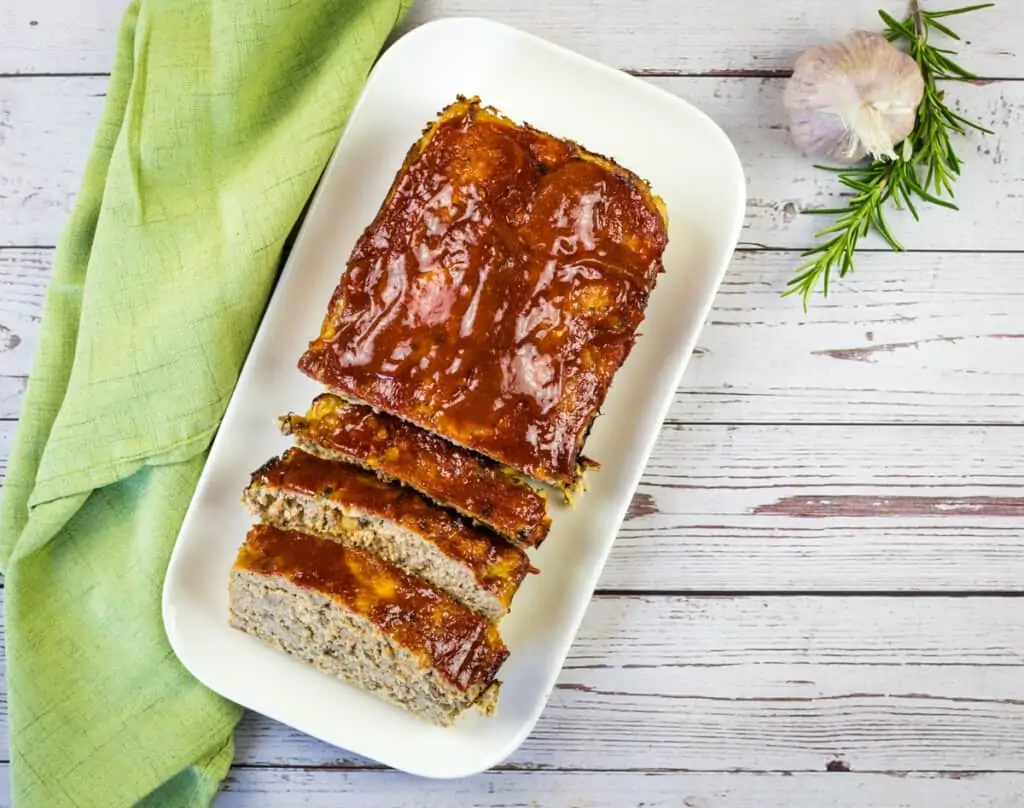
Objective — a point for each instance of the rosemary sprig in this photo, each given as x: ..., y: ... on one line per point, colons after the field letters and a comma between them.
x: 925, y: 170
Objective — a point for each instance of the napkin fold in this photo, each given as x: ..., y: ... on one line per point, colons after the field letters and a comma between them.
x: 219, y: 119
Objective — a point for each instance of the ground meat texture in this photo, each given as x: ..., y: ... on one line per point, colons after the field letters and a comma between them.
x: 485, y: 582
x: 332, y: 620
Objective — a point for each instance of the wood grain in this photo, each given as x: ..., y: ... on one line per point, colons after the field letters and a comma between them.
x: 825, y: 508
x: 271, y: 788
x: 47, y: 124
x: 812, y: 508
x: 717, y: 702
x: 920, y: 337
x: 46, y: 132
x: 924, y: 338
x: 818, y: 508
x: 766, y: 684
x: 6, y: 438
x: 263, y: 787
x: 23, y: 278
x: 762, y: 684
x: 698, y: 36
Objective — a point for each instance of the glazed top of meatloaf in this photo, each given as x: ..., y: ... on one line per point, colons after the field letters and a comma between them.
x: 497, y: 291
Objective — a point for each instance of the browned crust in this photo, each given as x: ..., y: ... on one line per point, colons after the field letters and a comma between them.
x: 397, y: 451
x: 461, y: 645
x: 571, y: 482
x: 499, y: 567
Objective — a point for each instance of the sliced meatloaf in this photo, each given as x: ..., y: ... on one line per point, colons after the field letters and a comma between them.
x: 473, y: 485
x: 357, y: 617
x: 351, y: 505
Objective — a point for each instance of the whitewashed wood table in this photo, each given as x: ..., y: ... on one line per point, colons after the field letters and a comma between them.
x: 815, y: 600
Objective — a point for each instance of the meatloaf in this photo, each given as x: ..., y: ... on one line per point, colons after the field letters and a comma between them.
x: 497, y: 291
x: 473, y: 485
x: 357, y: 617
x: 348, y: 504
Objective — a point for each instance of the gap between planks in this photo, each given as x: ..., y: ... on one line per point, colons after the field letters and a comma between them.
x: 504, y: 768
x: 267, y: 788
x: 270, y: 787
x: 652, y: 73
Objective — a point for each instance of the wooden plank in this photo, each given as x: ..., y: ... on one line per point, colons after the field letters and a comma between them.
x: 23, y: 278
x: 55, y: 36
x: 911, y: 337
x: 46, y: 132
x: 825, y: 508
x: 47, y: 125
x: 6, y: 438
x: 319, y: 788
x: 812, y: 508
x: 313, y: 788
x: 919, y: 337
x: 679, y: 553
x: 761, y: 684
x: 701, y: 36
x: 697, y: 36
x: 778, y: 684
x: 247, y: 787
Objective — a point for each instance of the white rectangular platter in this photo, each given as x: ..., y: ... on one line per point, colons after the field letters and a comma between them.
x: 690, y: 164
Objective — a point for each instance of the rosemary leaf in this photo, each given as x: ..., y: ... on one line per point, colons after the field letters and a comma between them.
x: 934, y: 15
x: 938, y: 26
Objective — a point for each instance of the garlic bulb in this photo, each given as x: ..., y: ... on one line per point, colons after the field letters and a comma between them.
x: 852, y: 98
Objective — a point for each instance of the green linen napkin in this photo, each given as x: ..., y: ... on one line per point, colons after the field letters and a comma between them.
x: 220, y: 117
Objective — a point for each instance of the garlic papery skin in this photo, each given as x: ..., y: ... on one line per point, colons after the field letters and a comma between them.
x: 853, y: 98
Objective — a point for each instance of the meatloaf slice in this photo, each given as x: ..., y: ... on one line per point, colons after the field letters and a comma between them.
x: 355, y: 616
x: 348, y: 504
x: 475, y: 486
